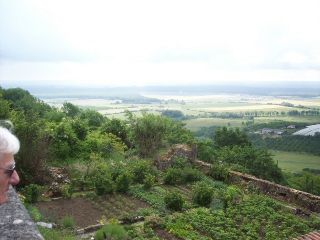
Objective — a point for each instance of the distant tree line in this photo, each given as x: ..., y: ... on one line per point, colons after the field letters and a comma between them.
x: 292, y: 143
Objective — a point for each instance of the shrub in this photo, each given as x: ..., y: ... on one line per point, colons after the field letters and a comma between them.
x: 180, y: 162
x: 233, y: 195
x: 103, y: 184
x: 191, y: 175
x: 34, y: 213
x: 202, y: 194
x: 174, y: 201
x: 32, y: 193
x: 173, y: 176
x: 68, y: 222
x: 67, y: 191
x: 111, y: 231
x: 123, y: 182
x: 139, y: 170
x: 219, y: 172
x: 149, y: 181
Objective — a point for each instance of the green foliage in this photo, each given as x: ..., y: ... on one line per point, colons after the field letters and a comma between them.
x: 148, y: 132
x: 105, y: 144
x: 174, y: 201
x: 66, y: 191
x: 140, y: 169
x: 291, y: 143
x: 70, y: 110
x: 118, y: 128
x: 68, y: 222
x: 92, y: 118
x: 32, y: 193
x: 123, y: 182
x: 180, y: 162
x: 304, y: 181
x: 230, y: 137
x: 149, y: 181
x: 205, y: 150
x: 112, y: 232
x: 202, y: 194
x: 178, y: 133
x: 258, y: 217
x: 173, y: 176
x: 257, y: 161
x: 103, y: 182
x: 153, y: 197
x: 175, y: 114
x: 233, y: 195
x: 56, y: 234
x: 219, y: 172
x: 34, y: 213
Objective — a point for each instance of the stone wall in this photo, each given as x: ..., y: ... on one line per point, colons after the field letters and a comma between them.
x: 178, y: 150
x: 15, y: 222
x: 304, y: 200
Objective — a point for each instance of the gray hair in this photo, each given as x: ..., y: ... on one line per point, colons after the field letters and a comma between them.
x: 9, y: 143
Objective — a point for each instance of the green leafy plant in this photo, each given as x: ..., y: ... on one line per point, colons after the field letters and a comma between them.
x: 202, y: 194
x: 32, y: 193
x: 103, y: 184
x: 174, y: 201
x: 123, y: 182
x: 67, y: 191
x: 149, y: 181
x: 219, y: 172
x: 68, y: 222
x: 112, y: 231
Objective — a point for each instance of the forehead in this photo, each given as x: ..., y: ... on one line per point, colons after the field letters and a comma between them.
x: 6, y: 159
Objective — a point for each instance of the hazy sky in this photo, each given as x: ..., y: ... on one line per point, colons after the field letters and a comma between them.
x: 158, y: 42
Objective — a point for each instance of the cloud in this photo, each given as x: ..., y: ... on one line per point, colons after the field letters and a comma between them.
x: 146, y: 41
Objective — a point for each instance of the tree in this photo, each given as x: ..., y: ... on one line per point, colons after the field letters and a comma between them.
x: 230, y: 137
x: 148, y: 132
x: 70, y: 110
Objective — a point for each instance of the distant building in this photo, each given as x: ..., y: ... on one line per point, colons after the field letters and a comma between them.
x: 311, y: 130
x: 271, y: 131
x: 291, y: 126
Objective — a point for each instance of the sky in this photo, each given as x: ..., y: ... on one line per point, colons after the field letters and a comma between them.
x: 167, y: 42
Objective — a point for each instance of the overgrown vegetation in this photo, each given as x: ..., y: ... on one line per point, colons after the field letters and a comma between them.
x: 114, y: 157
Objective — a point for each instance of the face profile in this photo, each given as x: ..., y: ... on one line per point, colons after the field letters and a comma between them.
x: 9, y: 146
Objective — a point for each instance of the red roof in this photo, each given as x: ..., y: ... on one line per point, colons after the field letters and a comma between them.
x: 310, y: 236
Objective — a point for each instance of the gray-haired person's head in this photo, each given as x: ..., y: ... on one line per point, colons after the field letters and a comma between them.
x: 9, y: 143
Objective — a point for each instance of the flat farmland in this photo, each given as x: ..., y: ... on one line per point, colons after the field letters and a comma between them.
x: 197, y: 106
x: 295, y: 162
x: 196, y: 124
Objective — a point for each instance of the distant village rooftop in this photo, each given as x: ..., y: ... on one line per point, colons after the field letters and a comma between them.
x: 311, y: 130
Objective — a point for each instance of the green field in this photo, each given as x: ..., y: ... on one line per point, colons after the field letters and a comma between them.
x: 295, y: 162
x: 196, y: 124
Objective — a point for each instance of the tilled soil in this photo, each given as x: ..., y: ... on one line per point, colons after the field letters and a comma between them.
x: 82, y: 210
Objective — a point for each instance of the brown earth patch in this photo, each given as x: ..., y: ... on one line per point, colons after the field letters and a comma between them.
x: 162, y: 234
x: 82, y: 210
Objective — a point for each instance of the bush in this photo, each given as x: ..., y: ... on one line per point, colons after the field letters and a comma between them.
x: 180, y: 162
x: 67, y: 191
x: 174, y: 201
x: 191, y: 175
x: 173, y: 176
x: 111, y: 231
x: 34, y: 213
x: 32, y: 193
x: 202, y: 194
x: 103, y: 184
x: 68, y: 222
x: 149, y: 181
x: 139, y: 170
x: 123, y: 182
x: 233, y: 195
x: 219, y: 172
